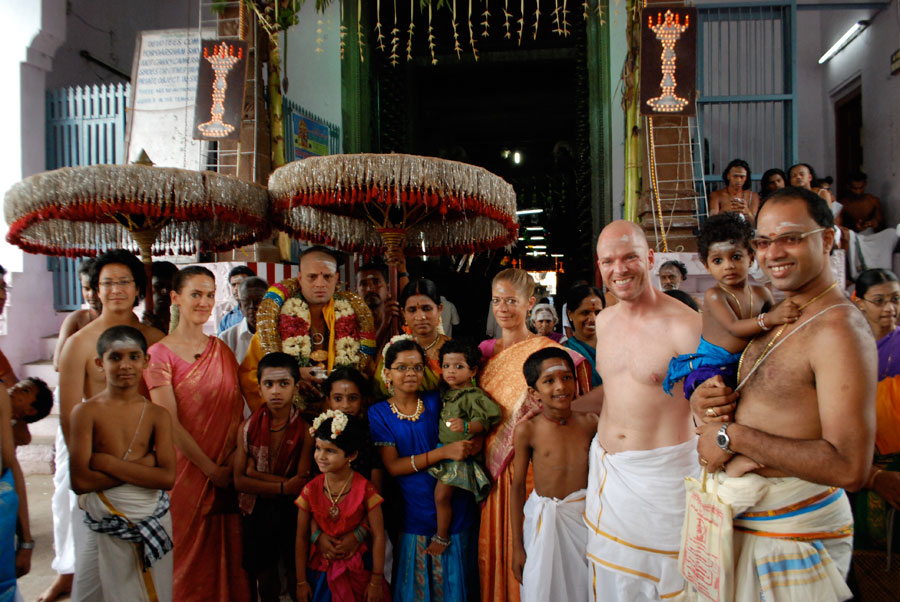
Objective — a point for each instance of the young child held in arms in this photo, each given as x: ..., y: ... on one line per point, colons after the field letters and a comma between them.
x: 271, y: 466
x: 341, y: 501
x: 467, y: 411
x: 549, y: 555
x: 734, y: 310
x: 31, y: 400
x: 122, y: 463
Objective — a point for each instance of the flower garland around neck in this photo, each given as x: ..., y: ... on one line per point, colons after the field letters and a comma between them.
x: 338, y: 422
x: 283, y: 322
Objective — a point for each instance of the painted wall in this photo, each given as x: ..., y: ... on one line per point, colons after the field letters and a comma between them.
x: 866, y: 58
x: 109, y: 34
x: 311, y: 52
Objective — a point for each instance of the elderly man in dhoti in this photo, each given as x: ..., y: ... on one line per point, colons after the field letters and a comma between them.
x: 803, y: 430
x: 645, y: 445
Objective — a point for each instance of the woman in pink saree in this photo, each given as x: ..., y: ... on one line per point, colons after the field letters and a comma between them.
x: 194, y: 376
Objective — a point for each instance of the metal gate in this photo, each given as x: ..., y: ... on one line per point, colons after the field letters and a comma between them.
x: 85, y: 126
x: 747, y: 75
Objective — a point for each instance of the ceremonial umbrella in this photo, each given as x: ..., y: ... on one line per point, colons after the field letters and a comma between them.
x: 369, y: 202
x: 80, y: 211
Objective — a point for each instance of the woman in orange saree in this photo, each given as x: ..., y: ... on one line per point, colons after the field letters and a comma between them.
x: 194, y: 376
x: 501, y: 377
x: 878, y: 296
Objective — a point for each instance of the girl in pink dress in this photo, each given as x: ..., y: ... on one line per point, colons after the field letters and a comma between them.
x: 337, y: 502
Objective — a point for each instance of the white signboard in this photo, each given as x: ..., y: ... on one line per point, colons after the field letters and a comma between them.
x: 164, y: 85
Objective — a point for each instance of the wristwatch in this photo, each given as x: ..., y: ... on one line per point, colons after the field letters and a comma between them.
x: 26, y: 545
x: 722, y: 438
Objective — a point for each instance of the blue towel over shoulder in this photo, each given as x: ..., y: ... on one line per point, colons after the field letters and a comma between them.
x: 696, y: 367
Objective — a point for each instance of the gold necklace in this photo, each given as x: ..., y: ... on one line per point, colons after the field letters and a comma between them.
x: 778, y: 332
x: 432, y: 343
x: 738, y: 301
x: 334, y: 511
x: 420, y: 407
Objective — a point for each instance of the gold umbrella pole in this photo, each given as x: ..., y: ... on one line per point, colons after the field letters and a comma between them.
x: 393, y: 239
x: 145, y: 238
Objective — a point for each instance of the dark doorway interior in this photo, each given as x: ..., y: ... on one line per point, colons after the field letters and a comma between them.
x: 848, y: 137
x: 528, y: 102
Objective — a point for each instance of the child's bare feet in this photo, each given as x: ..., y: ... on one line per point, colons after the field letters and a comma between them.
x: 438, y: 545
x: 61, y: 587
x: 740, y: 465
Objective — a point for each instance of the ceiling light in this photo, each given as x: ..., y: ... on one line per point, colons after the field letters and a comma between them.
x: 535, y: 228
x: 845, y: 39
x: 517, y: 157
x: 528, y: 211
x: 537, y: 238
x: 556, y: 255
x: 536, y: 246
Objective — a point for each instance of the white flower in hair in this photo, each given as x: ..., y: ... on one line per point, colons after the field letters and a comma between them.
x: 394, y: 339
x: 338, y: 422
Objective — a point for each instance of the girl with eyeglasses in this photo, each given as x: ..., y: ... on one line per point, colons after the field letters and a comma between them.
x: 405, y: 430
x: 877, y: 295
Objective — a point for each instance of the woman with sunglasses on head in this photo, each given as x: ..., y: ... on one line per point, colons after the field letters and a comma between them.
x: 512, y: 297
x: 878, y: 296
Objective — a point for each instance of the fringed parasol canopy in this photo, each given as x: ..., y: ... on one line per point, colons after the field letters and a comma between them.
x: 366, y: 202
x: 80, y: 211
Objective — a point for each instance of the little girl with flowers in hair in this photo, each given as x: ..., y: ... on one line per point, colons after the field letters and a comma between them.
x: 340, y: 501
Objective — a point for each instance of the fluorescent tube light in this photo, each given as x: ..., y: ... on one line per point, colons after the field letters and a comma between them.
x: 845, y: 39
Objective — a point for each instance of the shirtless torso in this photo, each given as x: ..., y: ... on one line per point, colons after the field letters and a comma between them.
x: 861, y: 212
x: 633, y: 353
x: 557, y: 452
x: 808, y: 410
x: 79, y: 376
x: 745, y: 202
x: 636, y: 338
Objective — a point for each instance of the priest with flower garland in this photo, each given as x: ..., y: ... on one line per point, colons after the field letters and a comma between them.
x: 307, y: 318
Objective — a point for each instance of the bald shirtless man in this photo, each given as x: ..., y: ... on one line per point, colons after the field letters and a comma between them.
x: 645, y: 443
x: 805, y: 424
x: 119, y: 280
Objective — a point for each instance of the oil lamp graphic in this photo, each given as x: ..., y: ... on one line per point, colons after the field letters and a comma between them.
x: 222, y: 60
x: 668, y: 30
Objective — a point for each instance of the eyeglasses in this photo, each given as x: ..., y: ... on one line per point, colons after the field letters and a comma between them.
x: 404, y: 368
x: 121, y: 283
x: 509, y: 301
x: 788, y: 241
x: 881, y: 301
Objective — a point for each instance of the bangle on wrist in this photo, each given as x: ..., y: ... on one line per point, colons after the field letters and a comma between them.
x: 26, y: 545
x: 871, y: 483
x: 315, y: 536
x: 402, y: 275
x: 302, y: 583
x: 412, y: 460
x: 761, y: 320
x: 466, y: 425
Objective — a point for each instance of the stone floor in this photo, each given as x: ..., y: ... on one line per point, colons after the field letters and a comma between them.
x: 875, y: 584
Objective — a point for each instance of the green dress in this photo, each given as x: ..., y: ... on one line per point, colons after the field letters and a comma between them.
x: 470, y: 404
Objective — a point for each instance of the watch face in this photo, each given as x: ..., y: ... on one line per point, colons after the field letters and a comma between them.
x: 722, y: 440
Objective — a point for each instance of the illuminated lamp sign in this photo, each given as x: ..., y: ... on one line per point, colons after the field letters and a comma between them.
x: 220, y: 90
x: 668, y: 61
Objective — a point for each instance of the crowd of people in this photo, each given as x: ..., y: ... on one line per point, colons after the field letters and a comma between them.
x: 313, y: 450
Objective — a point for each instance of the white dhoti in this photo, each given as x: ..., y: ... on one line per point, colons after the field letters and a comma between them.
x: 634, y: 511
x: 555, y: 540
x: 118, y: 570
x: 792, y: 539
x: 63, y: 504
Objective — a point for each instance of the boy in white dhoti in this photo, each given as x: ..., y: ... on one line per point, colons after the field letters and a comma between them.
x: 549, y: 558
x: 122, y: 461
